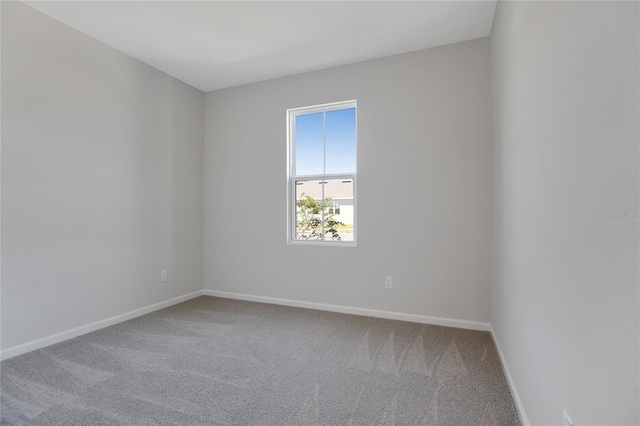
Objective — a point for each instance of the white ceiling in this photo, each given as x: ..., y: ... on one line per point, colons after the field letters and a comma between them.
x: 215, y: 44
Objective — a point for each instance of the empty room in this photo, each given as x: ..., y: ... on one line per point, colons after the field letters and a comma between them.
x: 320, y: 213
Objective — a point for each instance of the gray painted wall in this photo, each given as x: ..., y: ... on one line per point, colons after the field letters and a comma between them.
x: 101, y: 180
x: 565, y: 297
x: 424, y: 134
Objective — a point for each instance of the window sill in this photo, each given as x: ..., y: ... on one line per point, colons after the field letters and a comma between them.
x: 322, y: 243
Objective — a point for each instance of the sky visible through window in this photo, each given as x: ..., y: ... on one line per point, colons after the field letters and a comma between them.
x: 327, y: 150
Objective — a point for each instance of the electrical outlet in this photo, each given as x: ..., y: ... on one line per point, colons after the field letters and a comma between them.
x: 163, y: 276
x: 566, y: 421
x: 388, y: 283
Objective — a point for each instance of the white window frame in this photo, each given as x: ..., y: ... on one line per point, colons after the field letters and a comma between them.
x: 292, y: 177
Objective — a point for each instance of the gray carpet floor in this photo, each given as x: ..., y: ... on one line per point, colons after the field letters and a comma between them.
x: 212, y: 361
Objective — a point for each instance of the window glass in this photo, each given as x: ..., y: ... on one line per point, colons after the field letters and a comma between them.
x: 309, y: 144
x: 340, y: 145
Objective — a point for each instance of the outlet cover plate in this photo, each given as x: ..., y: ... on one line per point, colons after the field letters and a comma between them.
x: 388, y: 283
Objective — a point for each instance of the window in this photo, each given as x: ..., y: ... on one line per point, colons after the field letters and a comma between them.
x: 322, y: 174
x: 334, y: 208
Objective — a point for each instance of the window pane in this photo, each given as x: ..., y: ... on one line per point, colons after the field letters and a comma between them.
x: 330, y: 219
x: 338, y: 196
x: 309, y: 210
x: 309, y: 144
x: 341, y: 141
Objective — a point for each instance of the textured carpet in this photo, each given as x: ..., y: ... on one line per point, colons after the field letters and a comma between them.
x: 212, y: 361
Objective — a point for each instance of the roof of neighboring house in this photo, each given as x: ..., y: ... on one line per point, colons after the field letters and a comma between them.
x: 334, y: 189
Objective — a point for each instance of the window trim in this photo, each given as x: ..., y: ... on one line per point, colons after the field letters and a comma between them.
x: 292, y: 113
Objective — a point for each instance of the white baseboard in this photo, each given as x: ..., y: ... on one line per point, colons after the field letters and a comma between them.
x: 423, y: 319
x: 512, y: 385
x: 79, y: 331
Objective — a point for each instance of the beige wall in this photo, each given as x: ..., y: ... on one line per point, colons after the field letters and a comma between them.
x: 565, y: 297
x: 101, y: 180
x: 423, y: 135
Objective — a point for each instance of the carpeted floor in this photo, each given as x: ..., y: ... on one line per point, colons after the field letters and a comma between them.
x: 212, y: 361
